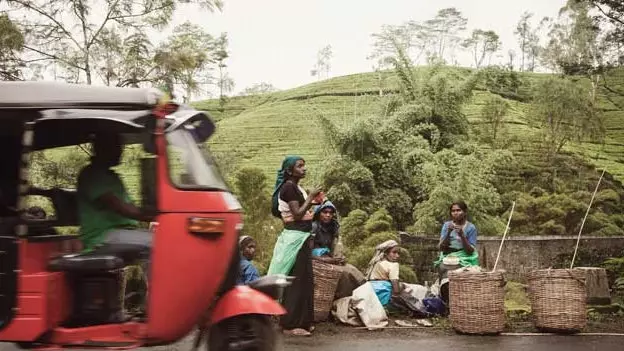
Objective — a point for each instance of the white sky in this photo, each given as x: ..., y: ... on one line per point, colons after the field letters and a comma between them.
x: 276, y: 41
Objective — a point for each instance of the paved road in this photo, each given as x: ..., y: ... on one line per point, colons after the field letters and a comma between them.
x: 455, y: 343
x: 374, y: 341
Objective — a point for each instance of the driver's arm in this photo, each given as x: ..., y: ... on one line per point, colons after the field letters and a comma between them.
x: 115, y: 204
x: 99, y: 188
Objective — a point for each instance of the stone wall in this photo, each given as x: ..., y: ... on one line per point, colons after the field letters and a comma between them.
x: 520, y: 254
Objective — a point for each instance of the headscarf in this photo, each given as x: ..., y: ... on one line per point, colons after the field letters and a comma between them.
x: 324, y: 205
x: 380, y: 252
x: 244, y: 240
x: 325, y: 233
x: 288, y: 163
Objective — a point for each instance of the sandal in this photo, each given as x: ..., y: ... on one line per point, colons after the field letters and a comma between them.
x: 297, y: 332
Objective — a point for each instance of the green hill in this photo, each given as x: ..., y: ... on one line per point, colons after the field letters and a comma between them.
x: 260, y: 130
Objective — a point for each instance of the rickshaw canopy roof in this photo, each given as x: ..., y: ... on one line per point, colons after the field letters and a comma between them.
x: 68, y: 114
x: 49, y: 95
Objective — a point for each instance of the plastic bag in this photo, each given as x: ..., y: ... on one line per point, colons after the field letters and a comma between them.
x: 368, y: 307
x: 344, y: 312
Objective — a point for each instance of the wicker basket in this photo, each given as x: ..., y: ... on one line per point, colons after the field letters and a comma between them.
x: 558, y: 299
x: 477, y: 301
x: 326, y: 278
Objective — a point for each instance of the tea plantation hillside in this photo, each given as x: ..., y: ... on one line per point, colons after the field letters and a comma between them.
x: 260, y: 130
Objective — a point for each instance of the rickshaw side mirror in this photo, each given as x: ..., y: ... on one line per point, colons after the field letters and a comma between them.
x: 148, y: 183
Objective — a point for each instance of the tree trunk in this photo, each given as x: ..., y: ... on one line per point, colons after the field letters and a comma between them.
x: 523, y: 48
x: 597, y: 286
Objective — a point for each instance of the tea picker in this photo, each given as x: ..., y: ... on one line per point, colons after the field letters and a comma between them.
x: 477, y: 298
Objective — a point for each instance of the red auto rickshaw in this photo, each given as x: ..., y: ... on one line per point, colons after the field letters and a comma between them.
x: 46, y: 284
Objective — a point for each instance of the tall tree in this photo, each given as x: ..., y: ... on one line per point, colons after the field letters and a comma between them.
x: 483, y: 44
x: 110, y: 54
x: 574, y: 46
x: 137, y: 65
x: 69, y: 32
x: 565, y: 112
x: 611, y: 16
x: 511, y: 55
x: 11, y: 44
x: 493, y: 116
x: 523, y: 31
x: 529, y: 41
x: 573, y: 39
x: 323, y: 63
x: 414, y: 39
x: 412, y: 36
x: 185, y: 58
x: 446, y: 29
x: 224, y: 81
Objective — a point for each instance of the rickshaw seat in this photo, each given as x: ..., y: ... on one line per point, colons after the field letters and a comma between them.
x: 85, y: 263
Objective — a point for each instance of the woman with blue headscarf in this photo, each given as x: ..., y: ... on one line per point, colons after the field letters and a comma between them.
x: 325, y: 228
x: 327, y: 248
x: 292, y: 254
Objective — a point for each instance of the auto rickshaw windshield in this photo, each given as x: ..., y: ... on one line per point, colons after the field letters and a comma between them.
x: 191, y: 165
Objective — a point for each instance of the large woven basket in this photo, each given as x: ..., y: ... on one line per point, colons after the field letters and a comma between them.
x: 477, y: 302
x: 558, y: 299
x: 326, y: 278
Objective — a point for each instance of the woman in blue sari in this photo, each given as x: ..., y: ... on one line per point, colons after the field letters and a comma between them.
x: 292, y: 254
x: 458, y: 245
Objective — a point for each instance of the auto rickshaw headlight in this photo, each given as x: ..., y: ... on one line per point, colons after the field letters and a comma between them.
x: 199, y: 225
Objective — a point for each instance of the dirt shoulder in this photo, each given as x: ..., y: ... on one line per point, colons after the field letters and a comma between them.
x: 516, y: 323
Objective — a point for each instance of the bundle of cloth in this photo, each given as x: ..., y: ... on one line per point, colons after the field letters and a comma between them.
x: 384, y: 290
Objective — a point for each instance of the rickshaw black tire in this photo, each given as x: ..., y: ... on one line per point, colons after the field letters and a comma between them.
x: 218, y: 339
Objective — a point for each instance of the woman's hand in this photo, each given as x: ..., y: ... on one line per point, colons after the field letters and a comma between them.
x: 467, y: 247
x: 460, y: 231
x: 314, y: 193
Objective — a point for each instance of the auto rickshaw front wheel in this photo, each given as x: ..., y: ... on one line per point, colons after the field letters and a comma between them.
x: 243, y: 333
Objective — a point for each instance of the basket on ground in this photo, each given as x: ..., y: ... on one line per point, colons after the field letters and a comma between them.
x: 326, y: 278
x: 477, y: 301
x: 558, y: 299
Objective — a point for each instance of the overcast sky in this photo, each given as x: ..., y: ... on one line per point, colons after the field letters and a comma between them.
x: 276, y: 41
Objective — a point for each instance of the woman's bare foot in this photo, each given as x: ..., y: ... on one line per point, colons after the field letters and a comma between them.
x: 297, y: 332
x: 311, y: 329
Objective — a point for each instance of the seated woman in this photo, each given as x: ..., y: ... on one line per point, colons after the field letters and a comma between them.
x: 248, y: 272
x: 325, y: 230
x: 383, y: 271
x: 458, y: 242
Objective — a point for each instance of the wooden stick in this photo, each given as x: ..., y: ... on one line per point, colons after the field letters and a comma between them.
x: 578, y: 240
x: 500, y: 248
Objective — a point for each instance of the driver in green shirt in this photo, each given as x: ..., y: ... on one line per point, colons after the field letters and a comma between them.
x: 108, y: 218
